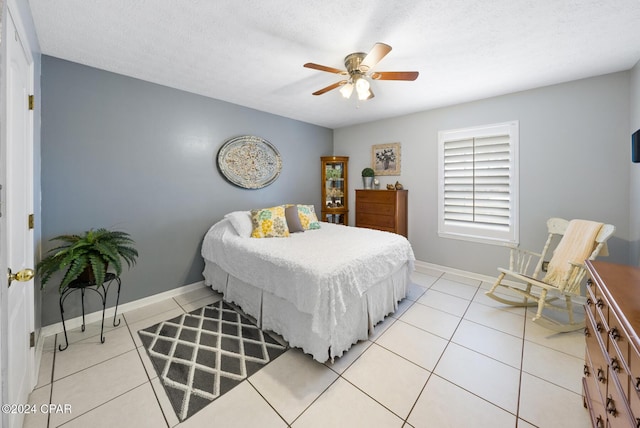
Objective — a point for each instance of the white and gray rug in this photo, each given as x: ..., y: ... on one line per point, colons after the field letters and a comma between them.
x: 203, y: 354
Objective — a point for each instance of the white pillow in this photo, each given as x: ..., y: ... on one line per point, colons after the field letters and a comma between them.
x: 241, y: 222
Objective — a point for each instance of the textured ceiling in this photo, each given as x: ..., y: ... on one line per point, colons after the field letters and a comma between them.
x: 251, y: 52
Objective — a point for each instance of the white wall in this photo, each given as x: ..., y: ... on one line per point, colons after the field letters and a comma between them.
x: 574, y: 163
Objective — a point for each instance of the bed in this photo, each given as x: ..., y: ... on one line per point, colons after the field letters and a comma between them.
x: 322, y: 290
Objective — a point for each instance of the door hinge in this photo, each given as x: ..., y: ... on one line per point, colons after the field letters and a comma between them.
x: 32, y: 339
x: 31, y: 102
x: 31, y: 221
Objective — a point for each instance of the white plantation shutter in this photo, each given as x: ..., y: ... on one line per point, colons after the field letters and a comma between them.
x: 478, y: 183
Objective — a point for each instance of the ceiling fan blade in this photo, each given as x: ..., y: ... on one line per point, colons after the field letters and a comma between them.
x: 324, y: 68
x: 395, y: 75
x: 330, y: 87
x: 379, y: 51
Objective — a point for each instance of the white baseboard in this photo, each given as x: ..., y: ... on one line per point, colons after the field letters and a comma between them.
x: 425, y: 266
x: 136, y: 304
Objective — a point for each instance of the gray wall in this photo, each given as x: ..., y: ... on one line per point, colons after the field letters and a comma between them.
x: 574, y: 163
x: 634, y: 173
x: 122, y: 153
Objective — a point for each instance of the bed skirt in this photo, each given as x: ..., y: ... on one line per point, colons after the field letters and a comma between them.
x: 280, y: 316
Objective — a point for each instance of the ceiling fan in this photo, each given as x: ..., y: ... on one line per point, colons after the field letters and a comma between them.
x: 358, y: 72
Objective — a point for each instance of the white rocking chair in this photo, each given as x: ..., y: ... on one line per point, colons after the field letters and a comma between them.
x: 581, y: 240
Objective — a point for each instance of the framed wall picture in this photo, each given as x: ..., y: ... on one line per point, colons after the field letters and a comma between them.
x: 385, y: 159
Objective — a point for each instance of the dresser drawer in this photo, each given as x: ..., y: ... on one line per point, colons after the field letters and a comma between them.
x: 619, y: 352
x: 634, y: 382
x: 376, y: 196
x: 375, y: 208
x: 597, y: 354
x: 591, y: 298
x: 618, y: 412
x: 374, y: 220
x: 594, y: 402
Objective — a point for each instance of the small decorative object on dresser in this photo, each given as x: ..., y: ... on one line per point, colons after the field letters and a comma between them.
x: 611, y: 382
x: 334, y: 189
x: 385, y: 159
x: 367, y: 177
x: 382, y: 210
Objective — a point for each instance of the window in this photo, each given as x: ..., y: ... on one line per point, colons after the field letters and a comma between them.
x: 478, y: 183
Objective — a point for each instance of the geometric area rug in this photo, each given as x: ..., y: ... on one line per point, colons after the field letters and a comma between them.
x: 203, y: 354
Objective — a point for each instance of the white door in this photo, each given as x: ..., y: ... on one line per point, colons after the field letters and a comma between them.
x: 18, y: 165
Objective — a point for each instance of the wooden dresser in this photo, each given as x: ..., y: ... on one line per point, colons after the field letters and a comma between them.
x: 611, y: 382
x: 382, y: 210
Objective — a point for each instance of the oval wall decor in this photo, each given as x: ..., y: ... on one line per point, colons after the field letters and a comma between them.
x: 250, y: 162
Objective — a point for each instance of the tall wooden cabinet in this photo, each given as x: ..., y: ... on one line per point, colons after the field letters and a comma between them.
x: 335, y: 175
x: 611, y: 382
x: 382, y: 210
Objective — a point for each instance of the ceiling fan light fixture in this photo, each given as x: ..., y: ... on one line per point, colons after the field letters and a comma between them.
x: 358, y: 67
x: 347, y: 90
x: 362, y: 88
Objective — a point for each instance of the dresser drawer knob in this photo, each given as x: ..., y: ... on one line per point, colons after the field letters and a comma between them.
x: 589, y: 301
x: 599, y: 422
x: 637, y: 384
x: 586, y: 370
x: 611, y: 407
x: 615, y: 335
x: 586, y: 332
x: 637, y: 422
x: 600, y: 303
x: 589, y: 282
x: 599, y: 327
x: 600, y: 376
x: 615, y: 365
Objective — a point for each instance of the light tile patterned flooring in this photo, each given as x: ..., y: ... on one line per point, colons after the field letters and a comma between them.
x: 449, y: 357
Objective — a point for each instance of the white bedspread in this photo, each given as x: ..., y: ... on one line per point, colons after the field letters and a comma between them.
x: 316, y: 270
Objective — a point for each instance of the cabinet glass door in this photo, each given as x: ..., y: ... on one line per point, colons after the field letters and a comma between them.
x: 334, y: 185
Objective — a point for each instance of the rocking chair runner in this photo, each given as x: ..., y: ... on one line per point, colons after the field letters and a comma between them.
x: 581, y: 240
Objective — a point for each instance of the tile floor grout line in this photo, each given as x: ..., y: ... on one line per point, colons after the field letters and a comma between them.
x: 267, y: 401
x: 155, y: 394
x: 101, y: 404
x: 98, y: 363
x: 433, y: 372
x: 371, y: 397
x: 53, y: 369
x: 524, y: 332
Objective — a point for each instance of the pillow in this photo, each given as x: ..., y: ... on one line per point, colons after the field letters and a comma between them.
x: 293, y: 219
x: 241, y: 222
x: 269, y: 223
x: 308, y: 217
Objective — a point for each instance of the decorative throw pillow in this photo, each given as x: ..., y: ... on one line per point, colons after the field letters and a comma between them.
x: 269, y: 223
x: 308, y: 217
x: 293, y: 219
x: 241, y: 222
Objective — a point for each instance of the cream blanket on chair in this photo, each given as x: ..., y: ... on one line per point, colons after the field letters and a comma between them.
x: 576, y: 245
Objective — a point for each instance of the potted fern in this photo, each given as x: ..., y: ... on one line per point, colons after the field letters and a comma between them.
x: 87, y: 256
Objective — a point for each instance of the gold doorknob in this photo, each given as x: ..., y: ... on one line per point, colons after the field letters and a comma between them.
x: 22, y: 275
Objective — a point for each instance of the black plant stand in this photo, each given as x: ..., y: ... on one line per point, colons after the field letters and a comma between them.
x: 101, y: 290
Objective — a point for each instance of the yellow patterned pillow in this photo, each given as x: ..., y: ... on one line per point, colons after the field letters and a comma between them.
x: 308, y: 217
x: 269, y: 223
